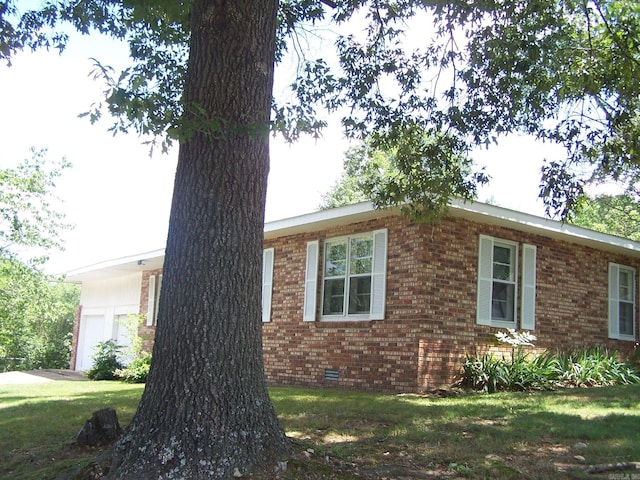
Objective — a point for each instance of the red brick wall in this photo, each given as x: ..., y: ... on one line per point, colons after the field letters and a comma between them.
x: 145, y: 331
x: 430, y: 322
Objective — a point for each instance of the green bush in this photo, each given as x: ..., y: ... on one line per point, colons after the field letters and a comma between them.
x: 587, y: 367
x: 106, y: 361
x: 137, y: 371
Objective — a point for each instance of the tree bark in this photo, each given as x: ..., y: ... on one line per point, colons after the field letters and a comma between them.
x: 205, y: 412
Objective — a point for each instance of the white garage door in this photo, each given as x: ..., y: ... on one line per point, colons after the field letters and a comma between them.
x: 92, y: 332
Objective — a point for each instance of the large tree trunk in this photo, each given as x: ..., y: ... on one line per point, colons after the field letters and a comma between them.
x: 205, y: 411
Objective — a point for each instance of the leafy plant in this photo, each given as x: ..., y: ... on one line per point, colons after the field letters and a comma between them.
x: 137, y: 371
x: 484, y: 372
x: 106, y: 361
x: 587, y: 367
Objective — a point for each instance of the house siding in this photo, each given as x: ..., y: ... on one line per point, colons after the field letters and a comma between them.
x: 430, y: 321
x: 429, y: 324
x: 105, y: 299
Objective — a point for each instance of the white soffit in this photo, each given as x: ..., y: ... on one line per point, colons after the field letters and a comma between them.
x: 118, y: 267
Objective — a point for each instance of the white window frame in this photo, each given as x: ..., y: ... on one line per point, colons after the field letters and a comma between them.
x: 378, y: 280
x: 615, y: 300
x: 484, y: 308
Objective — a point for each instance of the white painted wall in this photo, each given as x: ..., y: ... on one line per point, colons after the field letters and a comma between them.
x: 103, y: 303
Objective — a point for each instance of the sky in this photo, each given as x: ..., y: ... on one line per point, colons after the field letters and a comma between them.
x: 118, y: 196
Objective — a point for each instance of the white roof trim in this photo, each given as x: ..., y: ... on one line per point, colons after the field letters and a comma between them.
x: 491, y: 214
x: 130, y: 264
x: 359, y: 212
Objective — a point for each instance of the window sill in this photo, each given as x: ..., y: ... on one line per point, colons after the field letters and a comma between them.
x: 362, y: 324
x: 503, y: 324
x: 624, y: 338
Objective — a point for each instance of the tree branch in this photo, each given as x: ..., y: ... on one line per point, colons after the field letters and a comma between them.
x: 329, y: 3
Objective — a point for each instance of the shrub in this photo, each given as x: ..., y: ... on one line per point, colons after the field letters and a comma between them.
x: 484, y: 372
x: 106, y: 361
x: 633, y: 360
x: 587, y: 367
x: 594, y: 366
x: 137, y: 371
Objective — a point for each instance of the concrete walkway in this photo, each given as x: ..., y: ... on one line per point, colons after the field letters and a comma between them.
x: 39, y: 376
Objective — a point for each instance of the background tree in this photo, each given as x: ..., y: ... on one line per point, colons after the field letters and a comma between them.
x: 36, y: 318
x: 29, y: 223
x: 420, y: 174
x: 612, y: 214
x: 562, y: 71
x: 36, y: 311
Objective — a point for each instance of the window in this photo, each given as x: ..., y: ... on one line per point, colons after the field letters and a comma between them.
x: 622, y: 305
x: 348, y: 265
x: 498, y: 284
x: 155, y: 285
x: 353, y: 278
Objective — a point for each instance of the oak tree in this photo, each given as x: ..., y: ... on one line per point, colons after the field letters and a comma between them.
x: 458, y: 73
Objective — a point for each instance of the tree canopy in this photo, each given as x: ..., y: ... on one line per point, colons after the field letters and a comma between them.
x: 36, y: 312
x: 464, y: 74
x: 612, y: 214
x: 28, y: 220
x: 407, y: 175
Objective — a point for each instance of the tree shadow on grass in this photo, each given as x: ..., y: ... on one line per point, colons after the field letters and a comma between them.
x: 508, y: 435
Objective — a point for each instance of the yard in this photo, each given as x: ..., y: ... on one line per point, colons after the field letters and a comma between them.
x: 343, y: 434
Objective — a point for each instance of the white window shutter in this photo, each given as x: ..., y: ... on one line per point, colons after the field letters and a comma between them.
x: 311, y: 282
x: 614, y: 304
x: 379, y: 275
x: 528, y: 319
x: 151, y: 303
x: 267, y: 282
x: 485, y: 280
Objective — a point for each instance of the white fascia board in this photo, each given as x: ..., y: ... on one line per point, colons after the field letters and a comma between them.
x: 118, y: 266
x: 359, y: 212
x: 504, y: 217
x: 321, y: 219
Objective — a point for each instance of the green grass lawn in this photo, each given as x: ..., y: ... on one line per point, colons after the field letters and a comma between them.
x: 342, y: 434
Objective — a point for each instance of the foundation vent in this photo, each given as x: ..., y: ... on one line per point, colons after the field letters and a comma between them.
x: 331, y: 375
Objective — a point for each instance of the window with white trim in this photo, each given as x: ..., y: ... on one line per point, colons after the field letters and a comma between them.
x: 498, y: 279
x: 348, y: 266
x: 353, y: 278
x: 622, y: 302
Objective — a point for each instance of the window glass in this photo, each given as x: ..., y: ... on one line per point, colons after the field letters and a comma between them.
x: 625, y: 283
x: 335, y: 259
x: 333, y: 297
x: 360, y: 294
x: 626, y: 292
x: 502, y: 262
x: 626, y: 318
x: 502, y: 301
x: 361, y: 255
x: 504, y: 287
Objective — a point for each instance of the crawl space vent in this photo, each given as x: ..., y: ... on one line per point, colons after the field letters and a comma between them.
x: 331, y: 375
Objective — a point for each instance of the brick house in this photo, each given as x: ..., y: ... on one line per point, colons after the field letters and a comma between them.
x: 367, y: 299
